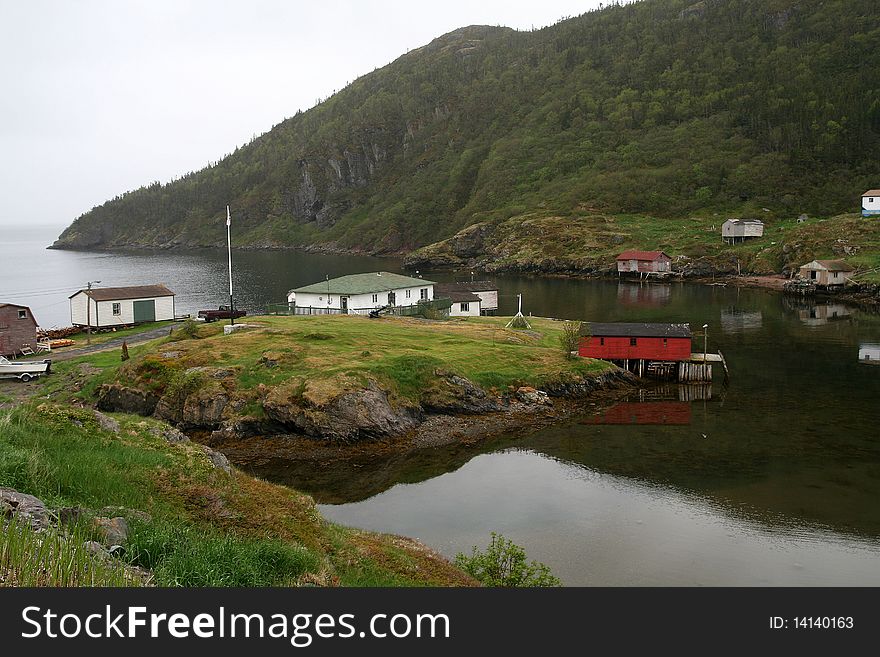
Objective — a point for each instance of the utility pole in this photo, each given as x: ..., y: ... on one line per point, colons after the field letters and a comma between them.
x: 229, y: 250
x: 89, y: 310
x: 705, y: 342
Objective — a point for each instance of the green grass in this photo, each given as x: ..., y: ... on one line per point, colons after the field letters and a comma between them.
x: 203, y: 527
x: 54, y: 558
x: 182, y: 555
x: 319, y: 356
x: 62, y: 457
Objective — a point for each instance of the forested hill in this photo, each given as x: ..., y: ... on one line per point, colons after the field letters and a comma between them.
x: 662, y: 107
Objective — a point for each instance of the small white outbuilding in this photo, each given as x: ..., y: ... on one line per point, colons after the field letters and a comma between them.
x: 871, y: 203
x: 104, y: 307
x: 740, y: 230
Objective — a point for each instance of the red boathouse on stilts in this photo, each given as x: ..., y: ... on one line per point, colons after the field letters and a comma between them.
x: 640, y: 347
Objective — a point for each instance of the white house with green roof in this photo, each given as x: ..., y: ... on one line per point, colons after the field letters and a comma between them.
x: 360, y: 293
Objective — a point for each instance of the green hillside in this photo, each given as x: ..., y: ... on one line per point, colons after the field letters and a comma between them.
x: 662, y: 108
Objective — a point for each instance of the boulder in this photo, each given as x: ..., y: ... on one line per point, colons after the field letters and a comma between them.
x: 174, y: 436
x: 348, y: 415
x: 70, y: 515
x: 106, y: 423
x: 218, y: 460
x: 528, y: 395
x: 112, y: 531
x: 201, y: 409
x: 97, y: 550
x: 451, y: 393
x: 114, y: 397
x: 24, y: 507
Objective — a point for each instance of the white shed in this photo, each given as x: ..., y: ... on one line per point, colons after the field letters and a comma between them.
x: 360, y: 293
x: 103, y: 307
x: 486, y: 293
x: 739, y: 230
x: 464, y: 303
x: 869, y: 353
x: 871, y: 203
x: 826, y: 273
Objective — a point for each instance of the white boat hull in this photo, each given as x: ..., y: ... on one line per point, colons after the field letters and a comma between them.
x: 24, y: 370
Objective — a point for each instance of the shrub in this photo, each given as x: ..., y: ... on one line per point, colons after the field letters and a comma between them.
x: 570, y: 337
x: 504, y: 564
x: 189, y: 330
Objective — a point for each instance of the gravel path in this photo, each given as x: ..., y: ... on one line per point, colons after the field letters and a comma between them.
x: 115, y: 343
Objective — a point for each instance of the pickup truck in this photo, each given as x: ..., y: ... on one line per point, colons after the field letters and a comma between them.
x: 223, y: 312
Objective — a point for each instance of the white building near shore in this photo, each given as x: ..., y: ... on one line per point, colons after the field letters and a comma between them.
x: 360, y: 293
x: 104, y: 307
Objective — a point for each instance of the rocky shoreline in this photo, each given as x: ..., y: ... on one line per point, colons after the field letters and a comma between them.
x: 453, y: 411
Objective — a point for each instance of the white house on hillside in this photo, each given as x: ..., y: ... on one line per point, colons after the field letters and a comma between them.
x: 871, y: 203
x: 360, y: 293
x: 740, y: 230
x: 103, y: 307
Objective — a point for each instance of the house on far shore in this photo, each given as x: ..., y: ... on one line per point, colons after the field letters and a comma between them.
x: 826, y: 273
x: 485, y: 291
x: 643, y: 262
x: 740, y: 230
x: 358, y: 294
x: 18, y: 329
x: 871, y: 203
x: 105, y: 307
x: 869, y: 353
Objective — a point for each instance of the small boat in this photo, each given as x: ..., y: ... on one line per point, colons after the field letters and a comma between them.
x: 24, y: 370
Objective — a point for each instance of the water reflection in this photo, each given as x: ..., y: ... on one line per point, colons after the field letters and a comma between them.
x: 814, y: 314
x: 644, y: 294
x: 617, y: 531
x: 658, y: 412
x: 737, y: 320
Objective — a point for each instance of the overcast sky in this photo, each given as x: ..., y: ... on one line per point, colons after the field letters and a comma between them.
x: 103, y: 96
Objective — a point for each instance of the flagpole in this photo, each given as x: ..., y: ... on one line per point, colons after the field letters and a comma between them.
x: 229, y: 251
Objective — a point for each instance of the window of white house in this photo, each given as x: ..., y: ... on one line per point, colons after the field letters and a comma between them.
x: 117, y: 309
x: 871, y: 199
x: 465, y: 306
x: 22, y: 314
x: 375, y: 298
x: 408, y: 293
x: 423, y: 293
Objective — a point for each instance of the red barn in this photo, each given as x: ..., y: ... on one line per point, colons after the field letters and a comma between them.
x: 643, y: 262
x: 636, y: 341
x: 18, y: 328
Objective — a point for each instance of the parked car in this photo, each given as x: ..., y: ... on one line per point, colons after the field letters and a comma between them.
x: 223, y: 312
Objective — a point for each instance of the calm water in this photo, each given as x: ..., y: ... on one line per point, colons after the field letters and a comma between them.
x: 774, y: 479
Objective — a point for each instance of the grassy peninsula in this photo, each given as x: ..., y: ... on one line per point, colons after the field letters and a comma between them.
x: 193, y: 520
